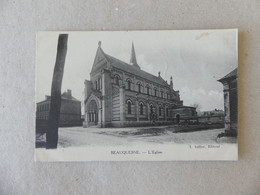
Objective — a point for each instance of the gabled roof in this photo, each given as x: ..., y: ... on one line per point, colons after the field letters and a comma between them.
x: 100, y: 59
x: 231, y: 75
x: 94, y: 92
x: 134, y: 70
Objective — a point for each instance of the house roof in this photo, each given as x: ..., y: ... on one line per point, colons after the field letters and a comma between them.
x: 67, y: 96
x: 134, y: 70
x: 232, y: 74
x: 64, y: 96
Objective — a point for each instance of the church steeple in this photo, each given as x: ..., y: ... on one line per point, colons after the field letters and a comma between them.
x: 133, y: 60
x: 171, y: 83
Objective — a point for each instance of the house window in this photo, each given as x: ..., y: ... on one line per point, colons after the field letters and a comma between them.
x: 96, y: 85
x: 141, y: 109
x: 167, y: 95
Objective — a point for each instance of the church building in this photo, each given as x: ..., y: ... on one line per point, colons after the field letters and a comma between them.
x: 121, y: 94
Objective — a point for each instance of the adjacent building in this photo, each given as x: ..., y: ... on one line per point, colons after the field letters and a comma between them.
x: 70, y: 111
x: 211, y: 117
x: 122, y: 94
x: 230, y: 101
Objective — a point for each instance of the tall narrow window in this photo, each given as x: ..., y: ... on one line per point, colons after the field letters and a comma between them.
x: 96, y: 85
x: 139, y: 87
x: 155, y: 92
x: 129, y: 107
x: 160, y: 111
x: 151, y: 108
x: 129, y: 84
x: 116, y: 80
x: 161, y: 94
x: 99, y: 84
x: 167, y: 111
x: 167, y: 95
x: 148, y: 90
x: 141, y: 109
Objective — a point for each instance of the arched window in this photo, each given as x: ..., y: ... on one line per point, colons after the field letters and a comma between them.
x: 128, y: 84
x: 160, y: 111
x: 148, y: 89
x: 151, y: 108
x: 139, y: 87
x: 155, y: 92
x: 116, y: 79
x: 129, y: 104
x: 141, y: 109
x: 96, y: 85
x: 167, y: 111
x: 99, y: 84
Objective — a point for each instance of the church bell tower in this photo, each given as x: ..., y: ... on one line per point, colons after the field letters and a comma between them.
x: 133, y: 60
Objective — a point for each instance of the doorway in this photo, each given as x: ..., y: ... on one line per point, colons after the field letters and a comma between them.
x: 93, y: 113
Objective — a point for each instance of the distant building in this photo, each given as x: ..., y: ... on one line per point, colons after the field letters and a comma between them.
x: 70, y: 111
x: 230, y: 101
x: 211, y: 117
x: 122, y: 94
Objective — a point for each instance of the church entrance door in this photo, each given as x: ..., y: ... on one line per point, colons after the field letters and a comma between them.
x: 93, y: 113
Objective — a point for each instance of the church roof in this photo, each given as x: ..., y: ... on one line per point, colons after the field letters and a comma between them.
x: 232, y: 74
x: 134, y: 70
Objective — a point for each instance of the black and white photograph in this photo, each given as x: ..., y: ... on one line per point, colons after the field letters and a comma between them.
x: 136, y: 95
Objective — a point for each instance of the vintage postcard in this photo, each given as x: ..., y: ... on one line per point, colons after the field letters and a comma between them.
x: 136, y: 95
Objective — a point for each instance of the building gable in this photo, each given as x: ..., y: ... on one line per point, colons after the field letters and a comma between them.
x: 100, y: 60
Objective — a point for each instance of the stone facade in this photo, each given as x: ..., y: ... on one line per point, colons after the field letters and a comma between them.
x: 121, y: 94
x: 230, y: 101
x: 70, y: 111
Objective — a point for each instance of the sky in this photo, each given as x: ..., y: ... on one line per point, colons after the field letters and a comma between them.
x: 195, y: 59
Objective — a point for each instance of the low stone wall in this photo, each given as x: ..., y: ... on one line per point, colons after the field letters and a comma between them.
x: 139, y: 123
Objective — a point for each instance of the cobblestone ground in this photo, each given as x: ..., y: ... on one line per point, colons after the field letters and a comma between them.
x: 79, y: 136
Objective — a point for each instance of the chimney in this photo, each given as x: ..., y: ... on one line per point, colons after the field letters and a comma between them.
x: 69, y: 92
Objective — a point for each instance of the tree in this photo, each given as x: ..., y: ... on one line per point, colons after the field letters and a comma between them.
x: 54, y: 116
x: 197, y: 106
